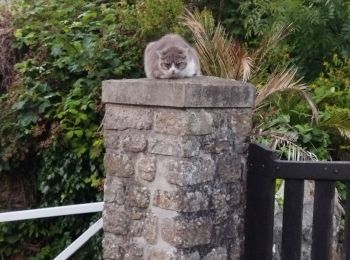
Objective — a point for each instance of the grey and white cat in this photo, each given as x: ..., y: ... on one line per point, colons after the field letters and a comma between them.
x: 171, y: 57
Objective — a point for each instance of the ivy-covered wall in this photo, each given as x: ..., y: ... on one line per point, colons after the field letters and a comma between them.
x: 51, y: 113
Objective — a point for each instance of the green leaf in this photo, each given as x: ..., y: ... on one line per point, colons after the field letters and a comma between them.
x: 70, y: 134
x: 18, y: 105
x: 78, y: 133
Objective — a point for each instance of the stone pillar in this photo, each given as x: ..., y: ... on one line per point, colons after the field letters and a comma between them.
x: 175, y: 168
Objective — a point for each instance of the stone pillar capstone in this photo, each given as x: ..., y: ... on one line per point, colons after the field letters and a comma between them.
x: 175, y: 168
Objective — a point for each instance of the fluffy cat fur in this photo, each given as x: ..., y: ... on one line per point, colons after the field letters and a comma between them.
x: 171, y: 57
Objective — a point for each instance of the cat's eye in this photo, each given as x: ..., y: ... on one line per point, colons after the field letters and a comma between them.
x: 179, y: 64
x: 167, y: 65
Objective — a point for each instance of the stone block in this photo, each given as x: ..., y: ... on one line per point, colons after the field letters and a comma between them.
x: 136, y: 228
x: 114, y: 190
x: 127, y: 141
x: 200, y: 122
x: 146, y: 167
x: 219, y: 253
x: 222, y: 141
x: 229, y: 167
x: 179, y: 146
x: 187, y: 92
x: 220, y: 198
x: 118, y: 164
x: 137, y: 213
x: 228, y: 225
x: 187, y: 233
x: 191, y: 256
x: 169, y: 121
x: 115, y: 219
x: 184, y: 201
x: 138, y: 196
x: 237, y: 191
x: 150, y: 231
x: 134, y: 252
x: 187, y: 171
x: 240, y: 121
x: 113, y: 247
x: 127, y: 117
x: 183, y: 122
x: 155, y: 253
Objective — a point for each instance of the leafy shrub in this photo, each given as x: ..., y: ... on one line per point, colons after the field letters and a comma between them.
x: 51, y: 116
x: 320, y: 28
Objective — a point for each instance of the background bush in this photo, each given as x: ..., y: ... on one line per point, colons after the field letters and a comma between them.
x: 51, y: 116
x: 61, y: 51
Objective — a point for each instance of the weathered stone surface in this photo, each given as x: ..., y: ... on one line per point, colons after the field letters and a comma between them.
x: 113, y: 247
x: 219, y: 253
x: 118, y: 164
x: 146, y: 167
x: 228, y: 225
x: 115, y: 219
x: 180, y: 146
x: 138, y: 196
x: 150, y: 231
x: 187, y: 92
x: 167, y: 200
x: 200, y: 122
x: 237, y: 191
x: 128, y: 140
x: 175, y: 164
x: 229, y: 167
x: 159, y: 253
x: 192, y: 256
x: 166, y: 254
x: 240, y: 121
x: 136, y: 228
x: 170, y: 121
x: 114, y: 190
x: 220, y: 198
x: 137, y: 213
x: 156, y: 253
x: 227, y: 196
x: 125, y: 117
x: 134, y: 252
x: 184, y: 233
x: 180, y: 122
x: 223, y: 141
x: 187, y: 171
x: 181, y: 200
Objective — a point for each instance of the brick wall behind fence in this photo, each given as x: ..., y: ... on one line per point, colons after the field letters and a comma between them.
x: 175, y: 168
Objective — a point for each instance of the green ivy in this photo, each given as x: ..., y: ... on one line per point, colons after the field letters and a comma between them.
x: 51, y: 116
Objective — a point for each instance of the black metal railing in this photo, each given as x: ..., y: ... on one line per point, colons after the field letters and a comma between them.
x: 263, y: 169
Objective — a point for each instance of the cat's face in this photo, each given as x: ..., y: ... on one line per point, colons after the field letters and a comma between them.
x: 172, y: 61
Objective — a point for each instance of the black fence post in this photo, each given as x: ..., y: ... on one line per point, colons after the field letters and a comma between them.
x: 260, y: 204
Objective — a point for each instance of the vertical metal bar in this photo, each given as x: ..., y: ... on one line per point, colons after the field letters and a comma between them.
x: 260, y: 205
x: 292, y: 219
x: 322, y: 220
x: 346, y: 245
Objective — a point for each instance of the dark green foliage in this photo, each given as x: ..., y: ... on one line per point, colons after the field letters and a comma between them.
x: 320, y: 28
x: 329, y: 137
x: 51, y: 115
x: 332, y: 95
x: 159, y: 17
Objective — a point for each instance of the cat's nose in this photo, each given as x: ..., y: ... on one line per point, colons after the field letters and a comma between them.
x: 173, y: 72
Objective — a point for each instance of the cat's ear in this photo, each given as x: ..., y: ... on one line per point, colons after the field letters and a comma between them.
x: 159, y: 53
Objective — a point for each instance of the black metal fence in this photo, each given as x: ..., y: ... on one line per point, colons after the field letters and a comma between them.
x: 263, y: 169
